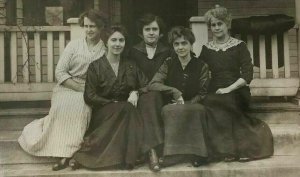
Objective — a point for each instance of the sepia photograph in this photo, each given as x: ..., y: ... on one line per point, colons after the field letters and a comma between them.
x: 149, y: 88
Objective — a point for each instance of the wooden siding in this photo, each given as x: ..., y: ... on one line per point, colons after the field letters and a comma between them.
x: 243, y: 8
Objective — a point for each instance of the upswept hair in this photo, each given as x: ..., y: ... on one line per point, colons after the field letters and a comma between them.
x: 178, y: 31
x: 112, y: 29
x: 149, y: 18
x: 220, y: 13
x: 99, y: 18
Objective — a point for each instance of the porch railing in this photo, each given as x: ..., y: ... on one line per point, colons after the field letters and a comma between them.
x: 273, y: 80
x: 28, y: 56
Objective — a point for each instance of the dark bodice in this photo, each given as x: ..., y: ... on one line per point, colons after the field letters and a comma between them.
x: 148, y: 66
x: 228, y: 66
x: 186, y: 81
x: 190, y: 83
x: 102, y: 86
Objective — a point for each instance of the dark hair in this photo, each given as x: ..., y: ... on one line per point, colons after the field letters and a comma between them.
x: 112, y: 29
x: 99, y: 18
x: 178, y: 31
x: 147, y: 19
x: 220, y: 13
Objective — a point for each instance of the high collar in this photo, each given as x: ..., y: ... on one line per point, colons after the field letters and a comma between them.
x: 159, y: 48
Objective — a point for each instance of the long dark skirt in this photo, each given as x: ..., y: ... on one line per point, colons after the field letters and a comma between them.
x: 231, y: 132
x: 114, y: 137
x: 150, y: 105
x: 184, y: 131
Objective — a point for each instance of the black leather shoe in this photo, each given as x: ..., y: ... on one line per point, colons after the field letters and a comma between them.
x: 153, y: 161
x: 74, y: 164
x: 61, y: 164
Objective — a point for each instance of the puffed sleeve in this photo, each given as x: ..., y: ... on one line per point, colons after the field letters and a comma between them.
x: 246, y: 63
x: 203, y: 84
x: 158, y: 80
x: 90, y: 92
x: 62, y: 68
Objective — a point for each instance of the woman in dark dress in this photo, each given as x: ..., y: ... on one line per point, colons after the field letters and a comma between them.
x: 149, y: 56
x: 115, y: 133
x: 183, y: 79
x: 231, y: 133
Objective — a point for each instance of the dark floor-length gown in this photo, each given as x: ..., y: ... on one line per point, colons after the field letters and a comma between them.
x: 115, y: 133
x: 150, y: 103
x: 184, y: 124
x: 231, y: 132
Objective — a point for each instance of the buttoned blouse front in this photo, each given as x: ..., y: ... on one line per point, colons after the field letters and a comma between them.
x: 75, y: 60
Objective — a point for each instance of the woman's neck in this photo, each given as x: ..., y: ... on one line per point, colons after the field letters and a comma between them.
x: 221, y: 40
x: 185, y: 60
x: 92, y: 42
x: 112, y: 58
x: 151, y: 45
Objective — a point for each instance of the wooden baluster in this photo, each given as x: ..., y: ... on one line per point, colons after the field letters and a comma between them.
x: 61, y: 42
x: 250, y: 45
x: 50, y: 56
x: 13, y: 57
x: 262, y: 57
x: 25, y: 69
x: 287, y: 67
x: 274, y: 56
x: 37, y: 54
x: 2, y: 72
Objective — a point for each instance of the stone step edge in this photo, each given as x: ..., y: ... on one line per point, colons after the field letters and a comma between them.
x: 6, y: 113
x: 23, y: 111
x: 277, y: 129
x: 269, y: 165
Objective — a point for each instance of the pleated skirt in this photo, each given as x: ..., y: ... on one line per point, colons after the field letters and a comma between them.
x: 149, y: 106
x: 184, y: 130
x: 114, y: 137
x: 61, y: 132
x: 231, y: 132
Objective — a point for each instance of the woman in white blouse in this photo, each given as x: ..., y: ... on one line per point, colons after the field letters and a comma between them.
x: 60, y: 133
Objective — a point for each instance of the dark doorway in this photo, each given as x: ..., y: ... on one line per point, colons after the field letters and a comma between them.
x: 173, y: 13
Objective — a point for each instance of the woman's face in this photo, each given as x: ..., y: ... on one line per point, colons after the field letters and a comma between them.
x: 218, y: 27
x: 92, y: 32
x: 116, y: 43
x: 182, y: 47
x: 151, y: 33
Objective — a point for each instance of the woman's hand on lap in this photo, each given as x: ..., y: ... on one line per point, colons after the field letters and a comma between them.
x: 133, y: 98
x: 179, y: 100
x: 223, y: 90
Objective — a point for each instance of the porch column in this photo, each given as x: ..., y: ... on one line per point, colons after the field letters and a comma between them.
x: 76, y: 30
x: 200, y: 30
x: 96, y: 4
x: 19, y: 12
x: 2, y: 56
x: 2, y: 12
x: 297, y: 20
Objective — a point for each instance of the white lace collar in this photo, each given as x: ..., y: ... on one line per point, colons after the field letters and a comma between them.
x: 230, y: 43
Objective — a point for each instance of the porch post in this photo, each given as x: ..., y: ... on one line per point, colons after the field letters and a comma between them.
x: 96, y: 4
x: 75, y: 29
x: 2, y: 12
x: 200, y: 30
x: 297, y: 18
x: 19, y: 12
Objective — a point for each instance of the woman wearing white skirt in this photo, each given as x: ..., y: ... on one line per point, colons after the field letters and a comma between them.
x: 61, y: 132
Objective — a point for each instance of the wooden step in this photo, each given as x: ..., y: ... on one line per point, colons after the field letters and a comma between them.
x: 276, y: 166
x: 286, y: 142
x: 271, y: 113
x: 16, y: 119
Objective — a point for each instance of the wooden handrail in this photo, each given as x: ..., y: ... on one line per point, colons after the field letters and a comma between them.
x: 34, y: 28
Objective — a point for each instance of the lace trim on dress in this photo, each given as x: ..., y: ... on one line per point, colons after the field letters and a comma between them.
x: 230, y: 43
